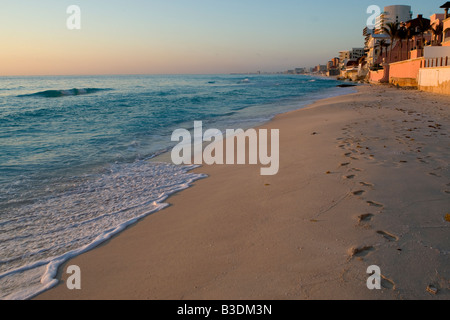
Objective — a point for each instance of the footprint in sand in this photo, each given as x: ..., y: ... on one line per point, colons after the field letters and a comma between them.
x: 355, y: 170
x: 374, y: 204
x: 348, y: 154
x: 365, y: 218
x: 434, y: 174
x: 352, y: 176
x: 361, y: 251
x: 365, y: 184
x: 358, y: 193
x: 389, y: 236
x: 344, y: 164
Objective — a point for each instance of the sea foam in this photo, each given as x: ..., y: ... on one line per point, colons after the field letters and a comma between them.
x: 61, y: 226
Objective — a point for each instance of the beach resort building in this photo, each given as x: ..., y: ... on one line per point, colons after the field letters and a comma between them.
x: 419, y: 56
x: 378, y: 44
x: 367, y: 33
x: 397, y: 13
x: 446, y: 25
x: 416, y: 55
x: 333, y: 67
x: 355, y: 53
x: 345, y: 55
x: 329, y: 65
x: 335, y: 62
x: 321, y: 68
x: 422, y: 30
x: 358, y: 53
x: 437, y: 21
x: 348, y: 55
x: 446, y: 36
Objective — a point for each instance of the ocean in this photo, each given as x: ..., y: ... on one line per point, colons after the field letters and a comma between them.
x: 75, y: 155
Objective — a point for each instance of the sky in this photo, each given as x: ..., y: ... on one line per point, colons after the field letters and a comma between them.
x: 181, y: 36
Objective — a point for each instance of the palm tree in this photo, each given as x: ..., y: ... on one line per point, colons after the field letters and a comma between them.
x: 437, y: 31
x: 391, y: 30
x: 382, y: 44
x: 410, y: 33
x: 402, y: 34
x: 423, y: 27
x: 386, y: 45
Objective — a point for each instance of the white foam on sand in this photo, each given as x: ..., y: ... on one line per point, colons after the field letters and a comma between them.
x: 65, y: 225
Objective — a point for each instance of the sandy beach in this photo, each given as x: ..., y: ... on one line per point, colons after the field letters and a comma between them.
x: 364, y: 180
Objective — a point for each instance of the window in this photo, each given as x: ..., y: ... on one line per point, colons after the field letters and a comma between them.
x: 447, y: 35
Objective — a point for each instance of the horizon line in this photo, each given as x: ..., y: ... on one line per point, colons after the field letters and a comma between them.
x: 144, y: 74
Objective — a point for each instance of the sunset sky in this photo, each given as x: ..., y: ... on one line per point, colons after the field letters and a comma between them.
x: 180, y: 36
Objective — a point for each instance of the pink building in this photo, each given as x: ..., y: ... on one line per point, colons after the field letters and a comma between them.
x: 446, y: 23
x: 437, y: 20
x: 400, y: 52
x: 422, y: 61
x: 446, y: 40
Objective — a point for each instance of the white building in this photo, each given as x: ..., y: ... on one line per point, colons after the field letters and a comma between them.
x: 374, y: 49
x: 345, y: 55
x: 398, y: 13
x: 367, y: 33
x: 357, y: 53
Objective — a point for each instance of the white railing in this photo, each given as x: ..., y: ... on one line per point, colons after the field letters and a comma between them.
x: 435, y: 62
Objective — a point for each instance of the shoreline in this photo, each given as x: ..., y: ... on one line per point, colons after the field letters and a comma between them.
x: 55, y: 262
x: 164, y: 157
x: 302, y: 234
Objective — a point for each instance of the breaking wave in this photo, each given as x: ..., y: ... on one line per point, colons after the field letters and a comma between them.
x: 64, y: 93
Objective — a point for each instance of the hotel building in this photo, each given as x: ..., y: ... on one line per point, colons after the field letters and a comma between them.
x: 397, y: 13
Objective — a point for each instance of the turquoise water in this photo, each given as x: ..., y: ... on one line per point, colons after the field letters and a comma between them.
x: 74, y: 153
